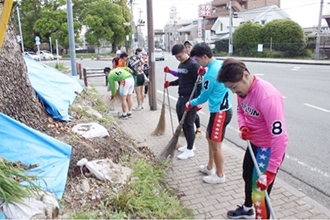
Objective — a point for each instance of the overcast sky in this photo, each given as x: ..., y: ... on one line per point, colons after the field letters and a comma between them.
x: 304, y: 12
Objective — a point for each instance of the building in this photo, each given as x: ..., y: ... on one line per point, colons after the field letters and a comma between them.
x: 220, y: 8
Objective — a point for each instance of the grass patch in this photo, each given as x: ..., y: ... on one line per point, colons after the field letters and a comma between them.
x: 145, y: 196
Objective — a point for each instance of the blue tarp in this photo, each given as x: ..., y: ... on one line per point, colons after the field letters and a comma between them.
x: 55, y: 89
x: 19, y: 142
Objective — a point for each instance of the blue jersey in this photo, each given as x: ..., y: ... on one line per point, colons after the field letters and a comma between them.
x: 218, y: 96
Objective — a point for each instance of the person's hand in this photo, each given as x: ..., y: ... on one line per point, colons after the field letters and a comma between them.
x: 198, y: 107
x: 187, y: 106
x: 201, y: 71
x: 167, y: 69
x: 265, y: 180
x: 245, y: 133
x: 112, y: 98
x: 166, y: 84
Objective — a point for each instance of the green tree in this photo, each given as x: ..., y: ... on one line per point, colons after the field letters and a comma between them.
x: 247, y: 37
x: 47, y: 18
x: 104, y: 21
x: 286, y: 36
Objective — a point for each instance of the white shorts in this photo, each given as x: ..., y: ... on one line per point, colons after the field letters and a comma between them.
x: 126, y: 86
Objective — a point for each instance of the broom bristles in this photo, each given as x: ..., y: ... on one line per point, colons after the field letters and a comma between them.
x: 160, y: 129
x: 168, y: 151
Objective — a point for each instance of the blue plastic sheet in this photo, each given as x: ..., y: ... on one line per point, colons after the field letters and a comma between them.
x: 19, y: 142
x: 55, y: 89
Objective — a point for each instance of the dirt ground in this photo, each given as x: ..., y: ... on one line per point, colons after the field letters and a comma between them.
x: 89, y: 194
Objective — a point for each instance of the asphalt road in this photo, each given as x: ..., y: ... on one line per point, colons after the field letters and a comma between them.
x: 305, y: 89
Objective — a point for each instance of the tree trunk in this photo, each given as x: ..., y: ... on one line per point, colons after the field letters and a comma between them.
x: 17, y: 97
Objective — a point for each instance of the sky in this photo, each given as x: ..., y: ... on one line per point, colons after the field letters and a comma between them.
x: 304, y: 12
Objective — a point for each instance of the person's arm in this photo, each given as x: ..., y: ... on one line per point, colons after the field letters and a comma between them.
x: 174, y: 73
x: 112, y: 85
x: 240, y: 115
x: 175, y: 82
x: 273, y: 111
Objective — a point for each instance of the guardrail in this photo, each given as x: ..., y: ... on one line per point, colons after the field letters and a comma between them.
x: 87, y: 73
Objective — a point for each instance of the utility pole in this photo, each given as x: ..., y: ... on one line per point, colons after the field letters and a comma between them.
x: 19, y: 24
x: 132, y: 46
x: 72, y: 46
x: 151, y: 50
x: 230, y: 44
x: 317, y: 45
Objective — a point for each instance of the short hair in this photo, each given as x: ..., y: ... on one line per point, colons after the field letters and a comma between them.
x: 231, y: 71
x: 200, y: 50
x: 124, y: 54
x: 177, y: 48
x: 106, y: 70
x: 138, y: 50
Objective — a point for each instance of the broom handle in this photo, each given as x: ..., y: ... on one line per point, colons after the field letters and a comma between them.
x: 169, y: 108
x: 164, y: 88
x: 190, y: 98
x: 271, y: 210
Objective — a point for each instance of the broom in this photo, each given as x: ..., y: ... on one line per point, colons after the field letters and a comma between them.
x: 160, y: 129
x: 168, y: 151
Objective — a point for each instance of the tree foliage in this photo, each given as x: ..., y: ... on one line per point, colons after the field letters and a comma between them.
x: 247, y: 36
x: 48, y: 18
x: 286, y: 36
x: 104, y: 21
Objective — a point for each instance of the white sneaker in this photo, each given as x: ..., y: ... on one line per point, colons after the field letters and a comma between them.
x: 213, y: 179
x: 205, y: 170
x: 137, y: 108
x: 184, y: 148
x: 186, y: 154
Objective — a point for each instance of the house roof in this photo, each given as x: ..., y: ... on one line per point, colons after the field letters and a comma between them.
x: 188, y: 28
x: 259, y: 13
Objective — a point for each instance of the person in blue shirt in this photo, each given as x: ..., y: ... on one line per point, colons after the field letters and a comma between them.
x: 220, y: 107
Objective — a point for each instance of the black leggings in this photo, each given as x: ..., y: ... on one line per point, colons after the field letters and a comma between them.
x: 197, y: 121
x: 188, y: 126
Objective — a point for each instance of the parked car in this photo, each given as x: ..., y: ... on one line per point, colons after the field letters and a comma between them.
x: 46, y: 55
x: 159, y: 55
x: 32, y: 55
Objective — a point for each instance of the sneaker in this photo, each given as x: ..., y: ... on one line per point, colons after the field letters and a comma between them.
x: 123, y: 117
x: 240, y: 213
x: 137, y: 108
x: 184, y: 148
x: 205, y: 170
x: 186, y: 154
x: 213, y: 179
x: 129, y: 115
x: 198, y: 133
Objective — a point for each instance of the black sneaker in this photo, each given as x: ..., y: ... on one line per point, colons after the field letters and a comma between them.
x: 129, y: 115
x: 123, y: 117
x: 240, y: 213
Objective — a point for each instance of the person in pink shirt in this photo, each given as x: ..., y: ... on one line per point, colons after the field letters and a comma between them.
x: 260, y: 114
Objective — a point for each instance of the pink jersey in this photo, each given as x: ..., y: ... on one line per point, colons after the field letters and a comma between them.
x: 262, y: 111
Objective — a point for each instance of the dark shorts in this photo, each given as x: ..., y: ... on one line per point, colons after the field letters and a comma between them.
x: 217, y: 125
x: 139, y: 80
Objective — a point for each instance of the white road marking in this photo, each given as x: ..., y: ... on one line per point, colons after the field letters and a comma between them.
x: 284, y: 97
x: 296, y: 68
x: 318, y: 108
x: 314, y: 169
x: 258, y: 74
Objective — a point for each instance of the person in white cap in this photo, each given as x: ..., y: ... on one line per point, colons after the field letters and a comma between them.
x: 116, y: 59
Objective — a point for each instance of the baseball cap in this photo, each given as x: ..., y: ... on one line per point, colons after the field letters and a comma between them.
x: 188, y: 42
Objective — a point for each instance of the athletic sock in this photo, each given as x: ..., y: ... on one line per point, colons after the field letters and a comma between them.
x: 246, y: 208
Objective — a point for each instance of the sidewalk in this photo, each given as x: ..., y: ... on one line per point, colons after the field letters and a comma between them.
x: 211, y: 201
